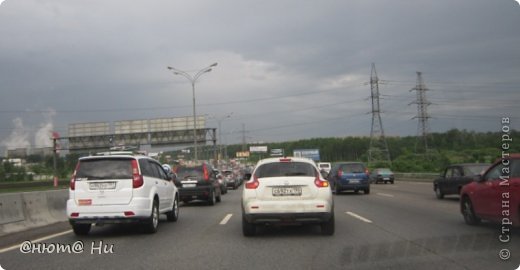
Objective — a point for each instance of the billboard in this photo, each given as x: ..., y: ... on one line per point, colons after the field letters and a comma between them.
x: 313, y: 154
x: 155, y: 132
x: 89, y: 129
x: 258, y: 149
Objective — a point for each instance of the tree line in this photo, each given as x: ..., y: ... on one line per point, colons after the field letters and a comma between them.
x: 452, y: 146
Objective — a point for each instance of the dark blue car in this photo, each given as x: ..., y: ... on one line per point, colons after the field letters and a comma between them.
x: 349, y: 176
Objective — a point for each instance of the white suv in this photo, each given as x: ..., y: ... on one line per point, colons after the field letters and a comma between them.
x: 287, y: 191
x: 120, y: 188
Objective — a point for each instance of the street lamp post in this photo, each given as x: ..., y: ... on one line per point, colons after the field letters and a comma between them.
x: 192, y: 80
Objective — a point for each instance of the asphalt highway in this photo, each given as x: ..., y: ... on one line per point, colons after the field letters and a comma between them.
x: 399, y: 226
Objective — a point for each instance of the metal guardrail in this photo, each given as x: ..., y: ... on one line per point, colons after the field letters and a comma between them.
x: 417, y: 177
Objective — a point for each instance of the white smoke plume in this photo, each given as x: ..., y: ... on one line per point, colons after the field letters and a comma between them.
x: 42, y: 137
x: 19, y: 138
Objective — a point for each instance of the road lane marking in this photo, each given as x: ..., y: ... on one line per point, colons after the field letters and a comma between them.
x: 385, y: 195
x: 358, y: 217
x: 36, y: 240
x: 226, y: 219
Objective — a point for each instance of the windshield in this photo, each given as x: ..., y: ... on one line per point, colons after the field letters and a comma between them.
x: 475, y: 169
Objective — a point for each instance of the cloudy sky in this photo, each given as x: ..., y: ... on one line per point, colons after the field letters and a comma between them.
x: 287, y: 69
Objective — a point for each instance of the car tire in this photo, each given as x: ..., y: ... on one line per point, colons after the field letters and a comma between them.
x: 153, y: 221
x: 248, y: 229
x: 438, y: 193
x: 468, y: 212
x: 328, y: 227
x: 366, y: 190
x: 174, y: 214
x: 392, y: 182
x: 212, y: 198
x: 219, y: 197
x: 337, y: 191
x: 81, y: 229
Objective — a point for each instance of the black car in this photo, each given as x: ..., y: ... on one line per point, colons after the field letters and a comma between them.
x: 455, y: 176
x: 198, y: 183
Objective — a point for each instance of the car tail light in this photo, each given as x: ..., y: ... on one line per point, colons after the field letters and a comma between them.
x: 75, y: 214
x: 252, y: 184
x: 137, y: 179
x: 340, y: 172
x: 367, y: 172
x: 73, y: 178
x: 319, y: 182
x: 205, y: 172
x: 285, y: 160
x: 129, y: 213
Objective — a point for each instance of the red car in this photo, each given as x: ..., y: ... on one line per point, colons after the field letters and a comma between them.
x: 494, y: 195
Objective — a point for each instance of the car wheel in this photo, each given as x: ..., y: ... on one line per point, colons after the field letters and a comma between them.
x: 438, y: 193
x: 81, y: 229
x: 174, y: 214
x: 248, y: 229
x: 337, y: 191
x: 467, y: 211
x: 212, y: 198
x: 219, y: 197
x: 327, y: 228
x: 366, y: 191
x: 153, y: 220
x: 386, y: 182
x: 392, y: 182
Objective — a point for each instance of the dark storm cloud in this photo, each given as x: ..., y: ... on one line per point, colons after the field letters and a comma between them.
x: 287, y: 69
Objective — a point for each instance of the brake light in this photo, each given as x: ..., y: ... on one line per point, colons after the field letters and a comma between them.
x: 75, y: 214
x: 285, y: 160
x: 252, y: 184
x: 340, y: 172
x: 137, y: 179
x: 319, y: 182
x: 73, y: 178
x: 205, y: 172
x: 367, y: 172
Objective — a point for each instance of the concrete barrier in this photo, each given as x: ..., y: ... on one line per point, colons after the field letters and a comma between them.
x: 22, y: 211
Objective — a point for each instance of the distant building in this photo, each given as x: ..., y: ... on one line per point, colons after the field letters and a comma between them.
x: 17, y: 153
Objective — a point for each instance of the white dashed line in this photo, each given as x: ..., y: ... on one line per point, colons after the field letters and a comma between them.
x: 35, y: 241
x: 226, y: 219
x: 385, y: 195
x: 358, y: 217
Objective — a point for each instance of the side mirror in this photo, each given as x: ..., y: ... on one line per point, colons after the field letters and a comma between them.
x: 478, y: 178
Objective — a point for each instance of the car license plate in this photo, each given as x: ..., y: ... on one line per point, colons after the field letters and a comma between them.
x: 287, y: 191
x: 354, y: 181
x: 189, y: 185
x: 102, y: 185
x: 386, y: 178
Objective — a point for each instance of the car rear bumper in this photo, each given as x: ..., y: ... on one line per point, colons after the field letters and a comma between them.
x: 288, y: 218
x: 194, y: 193
x: 137, y: 209
x: 310, y: 211
x: 349, y: 186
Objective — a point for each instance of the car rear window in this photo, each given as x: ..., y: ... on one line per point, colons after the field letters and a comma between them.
x: 99, y: 169
x: 385, y: 171
x: 285, y: 169
x: 187, y: 172
x: 353, y: 168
